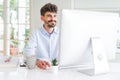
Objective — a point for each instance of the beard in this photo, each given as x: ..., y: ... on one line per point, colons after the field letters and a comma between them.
x: 51, y: 23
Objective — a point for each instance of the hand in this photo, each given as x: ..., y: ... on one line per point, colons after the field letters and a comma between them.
x: 7, y: 59
x: 42, y: 64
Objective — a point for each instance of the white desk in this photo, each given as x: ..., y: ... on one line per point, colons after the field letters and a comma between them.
x: 38, y: 74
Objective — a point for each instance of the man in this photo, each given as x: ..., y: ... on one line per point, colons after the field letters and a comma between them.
x: 45, y: 39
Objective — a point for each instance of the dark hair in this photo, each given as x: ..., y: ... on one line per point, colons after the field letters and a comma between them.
x: 48, y: 8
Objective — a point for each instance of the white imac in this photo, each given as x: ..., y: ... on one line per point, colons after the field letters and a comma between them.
x: 78, y: 27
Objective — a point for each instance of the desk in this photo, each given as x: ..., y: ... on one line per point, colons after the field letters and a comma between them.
x: 38, y: 74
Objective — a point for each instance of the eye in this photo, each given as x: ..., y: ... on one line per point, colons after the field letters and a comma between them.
x: 48, y: 15
x: 55, y: 15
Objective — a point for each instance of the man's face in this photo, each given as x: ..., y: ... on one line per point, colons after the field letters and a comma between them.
x: 49, y: 19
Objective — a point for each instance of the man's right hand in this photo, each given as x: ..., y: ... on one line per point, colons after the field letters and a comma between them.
x: 42, y: 64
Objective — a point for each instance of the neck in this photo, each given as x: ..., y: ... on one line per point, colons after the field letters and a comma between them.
x: 49, y: 30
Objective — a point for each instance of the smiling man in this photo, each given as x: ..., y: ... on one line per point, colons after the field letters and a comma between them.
x: 44, y: 40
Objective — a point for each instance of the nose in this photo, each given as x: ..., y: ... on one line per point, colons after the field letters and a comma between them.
x: 53, y: 18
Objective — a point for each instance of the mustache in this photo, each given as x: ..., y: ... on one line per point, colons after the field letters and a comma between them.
x: 52, y: 21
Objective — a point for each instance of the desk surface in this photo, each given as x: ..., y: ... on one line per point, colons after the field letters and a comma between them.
x: 38, y: 74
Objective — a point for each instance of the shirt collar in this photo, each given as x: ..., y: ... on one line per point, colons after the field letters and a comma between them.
x: 56, y: 31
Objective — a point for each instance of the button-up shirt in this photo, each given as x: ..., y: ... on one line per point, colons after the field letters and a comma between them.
x: 42, y: 43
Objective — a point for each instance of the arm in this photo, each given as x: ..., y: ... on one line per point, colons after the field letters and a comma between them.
x: 31, y: 45
x: 30, y: 50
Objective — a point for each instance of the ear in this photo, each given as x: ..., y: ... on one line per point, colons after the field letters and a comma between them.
x: 42, y: 18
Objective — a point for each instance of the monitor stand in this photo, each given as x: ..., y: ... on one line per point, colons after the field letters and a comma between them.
x: 100, y: 63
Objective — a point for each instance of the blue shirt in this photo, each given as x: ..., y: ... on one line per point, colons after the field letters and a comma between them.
x: 42, y: 43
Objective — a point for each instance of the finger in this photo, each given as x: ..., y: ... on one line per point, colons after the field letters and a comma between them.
x: 47, y: 63
x: 39, y: 63
x: 42, y: 65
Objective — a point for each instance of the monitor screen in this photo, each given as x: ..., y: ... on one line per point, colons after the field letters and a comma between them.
x: 77, y: 29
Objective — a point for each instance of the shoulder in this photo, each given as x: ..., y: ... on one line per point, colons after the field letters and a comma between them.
x: 36, y: 31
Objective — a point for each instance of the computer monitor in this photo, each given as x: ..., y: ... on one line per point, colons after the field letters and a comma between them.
x: 77, y: 29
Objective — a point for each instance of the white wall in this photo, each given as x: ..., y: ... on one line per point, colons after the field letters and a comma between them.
x: 97, y: 3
